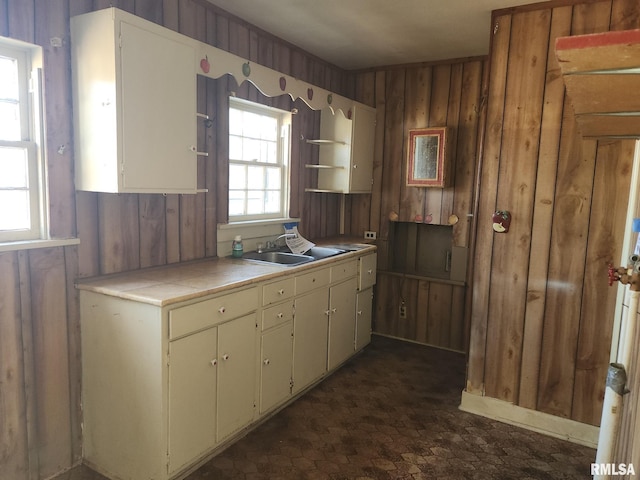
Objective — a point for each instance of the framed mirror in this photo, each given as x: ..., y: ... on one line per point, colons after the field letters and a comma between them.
x: 426, y: 157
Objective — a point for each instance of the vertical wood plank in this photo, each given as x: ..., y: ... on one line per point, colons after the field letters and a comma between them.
x: 452, y: 122
x: 51, y: 350
x: 608, y: 215
x: 422, y: 309
x: 21, y: 16
x: 566, y: 271
x: 153, y: 235
x: 542, y: 214
x: 466, y: 152
x: 376, y: 215
x: 75, y: 352
x: 625, y: 15
x: 52, y: 20
x: 438, y: 118
x: 487, y: 201
x: 417, y: 97
x: 14, y: 458
x: 392, y: 151
x: 89, y: 248
x: 517, y: 173
x: 118, y: 232
x: 439, y: 314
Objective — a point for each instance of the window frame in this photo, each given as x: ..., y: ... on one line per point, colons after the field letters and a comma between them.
x: 30, y: 101
x: 283, y: 155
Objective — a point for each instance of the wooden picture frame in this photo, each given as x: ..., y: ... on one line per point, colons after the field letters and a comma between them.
x: 426, y: 157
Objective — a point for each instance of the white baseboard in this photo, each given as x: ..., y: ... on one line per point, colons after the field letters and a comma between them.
x: 540, y: 422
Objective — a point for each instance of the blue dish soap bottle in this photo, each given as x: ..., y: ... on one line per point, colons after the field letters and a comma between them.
x: 236, y: 247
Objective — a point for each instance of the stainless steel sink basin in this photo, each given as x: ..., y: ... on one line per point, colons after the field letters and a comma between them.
x: 280, y: 258
x: 323, y: 252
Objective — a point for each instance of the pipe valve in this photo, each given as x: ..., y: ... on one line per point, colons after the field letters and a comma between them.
x: 629, y: 275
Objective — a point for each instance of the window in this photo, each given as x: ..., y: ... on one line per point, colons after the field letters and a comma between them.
x: 20, y: 173
x: 258, y: 161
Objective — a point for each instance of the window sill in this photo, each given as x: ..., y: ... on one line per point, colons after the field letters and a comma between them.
x: 257, y: 223
x: 33, y: 244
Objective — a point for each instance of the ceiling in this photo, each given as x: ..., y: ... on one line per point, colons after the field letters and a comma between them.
x: 359, y: 34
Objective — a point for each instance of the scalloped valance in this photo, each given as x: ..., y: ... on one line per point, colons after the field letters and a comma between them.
x: 214, y: 63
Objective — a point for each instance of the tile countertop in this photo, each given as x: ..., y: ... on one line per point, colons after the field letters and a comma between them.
x: 175, y: 283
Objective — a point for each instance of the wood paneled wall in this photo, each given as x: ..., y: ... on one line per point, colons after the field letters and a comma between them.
x: 542, y: 313
x: 40, y: 365
x: 416, y: 96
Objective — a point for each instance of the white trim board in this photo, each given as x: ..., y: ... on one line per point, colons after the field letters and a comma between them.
x: 540, y: 422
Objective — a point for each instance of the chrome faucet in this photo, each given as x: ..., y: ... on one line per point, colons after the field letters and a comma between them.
x: 273, y: 244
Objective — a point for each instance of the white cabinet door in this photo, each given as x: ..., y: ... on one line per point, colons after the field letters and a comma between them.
x: 158, y: 122
x: 135, y: 96
x: 342, y: 322
x: 236, y: 374
x: 363, y: 143
x: 367, y: 271
x: 192, y: 397
x: 364, y: 311
x: 276, y: 365
x: 310, y: 330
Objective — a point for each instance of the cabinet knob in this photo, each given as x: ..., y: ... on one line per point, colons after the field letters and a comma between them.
x: 327, y: 313
x: 214, y: 362
x: 359, y: 312
x: 281, y: 291
x: 222, y: 309
x: 280, y: 315
x: 266, y: 361
x: 333, y: 310
x: 369, y: 271
x: 225, y: 356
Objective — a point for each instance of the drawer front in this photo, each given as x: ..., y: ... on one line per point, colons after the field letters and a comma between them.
x: 344, y: 270
x: 277, y: 314
x: 310, y: 281
x: 197, y: 316
x: 278, y: 291
x: 367, y: 273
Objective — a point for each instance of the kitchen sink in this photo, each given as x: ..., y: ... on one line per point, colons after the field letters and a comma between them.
x: 323, y: 252
x: 290, y: 259
x: 281, y: 258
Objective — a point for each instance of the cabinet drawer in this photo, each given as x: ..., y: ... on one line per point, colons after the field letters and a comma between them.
x: 367, y: 272
x: 197, y: 316
x: 277, y: 314
x: 278, y: 291
x: 309, y: 281
x: 344, y: 270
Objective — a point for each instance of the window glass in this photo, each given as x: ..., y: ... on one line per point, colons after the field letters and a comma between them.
x: 21, y: 212
x: 258, y: 161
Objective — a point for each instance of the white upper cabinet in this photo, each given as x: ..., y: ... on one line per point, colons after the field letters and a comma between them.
x: 134, y: 94
x: 346, y: 150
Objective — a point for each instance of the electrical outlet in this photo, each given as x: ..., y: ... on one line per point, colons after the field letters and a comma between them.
x: 403, y: 311
x: 369, y: 235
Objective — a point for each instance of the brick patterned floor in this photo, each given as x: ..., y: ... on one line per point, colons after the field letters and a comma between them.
x: 390, y: 413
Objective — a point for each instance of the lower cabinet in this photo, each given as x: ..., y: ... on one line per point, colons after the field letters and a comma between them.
x: 364, y: 314
x: 342, y: 322
x: 163, y: 387
x: 276, y: 361
x: 192, y: 396
x: 236, y: 374
x: 310, y: 338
